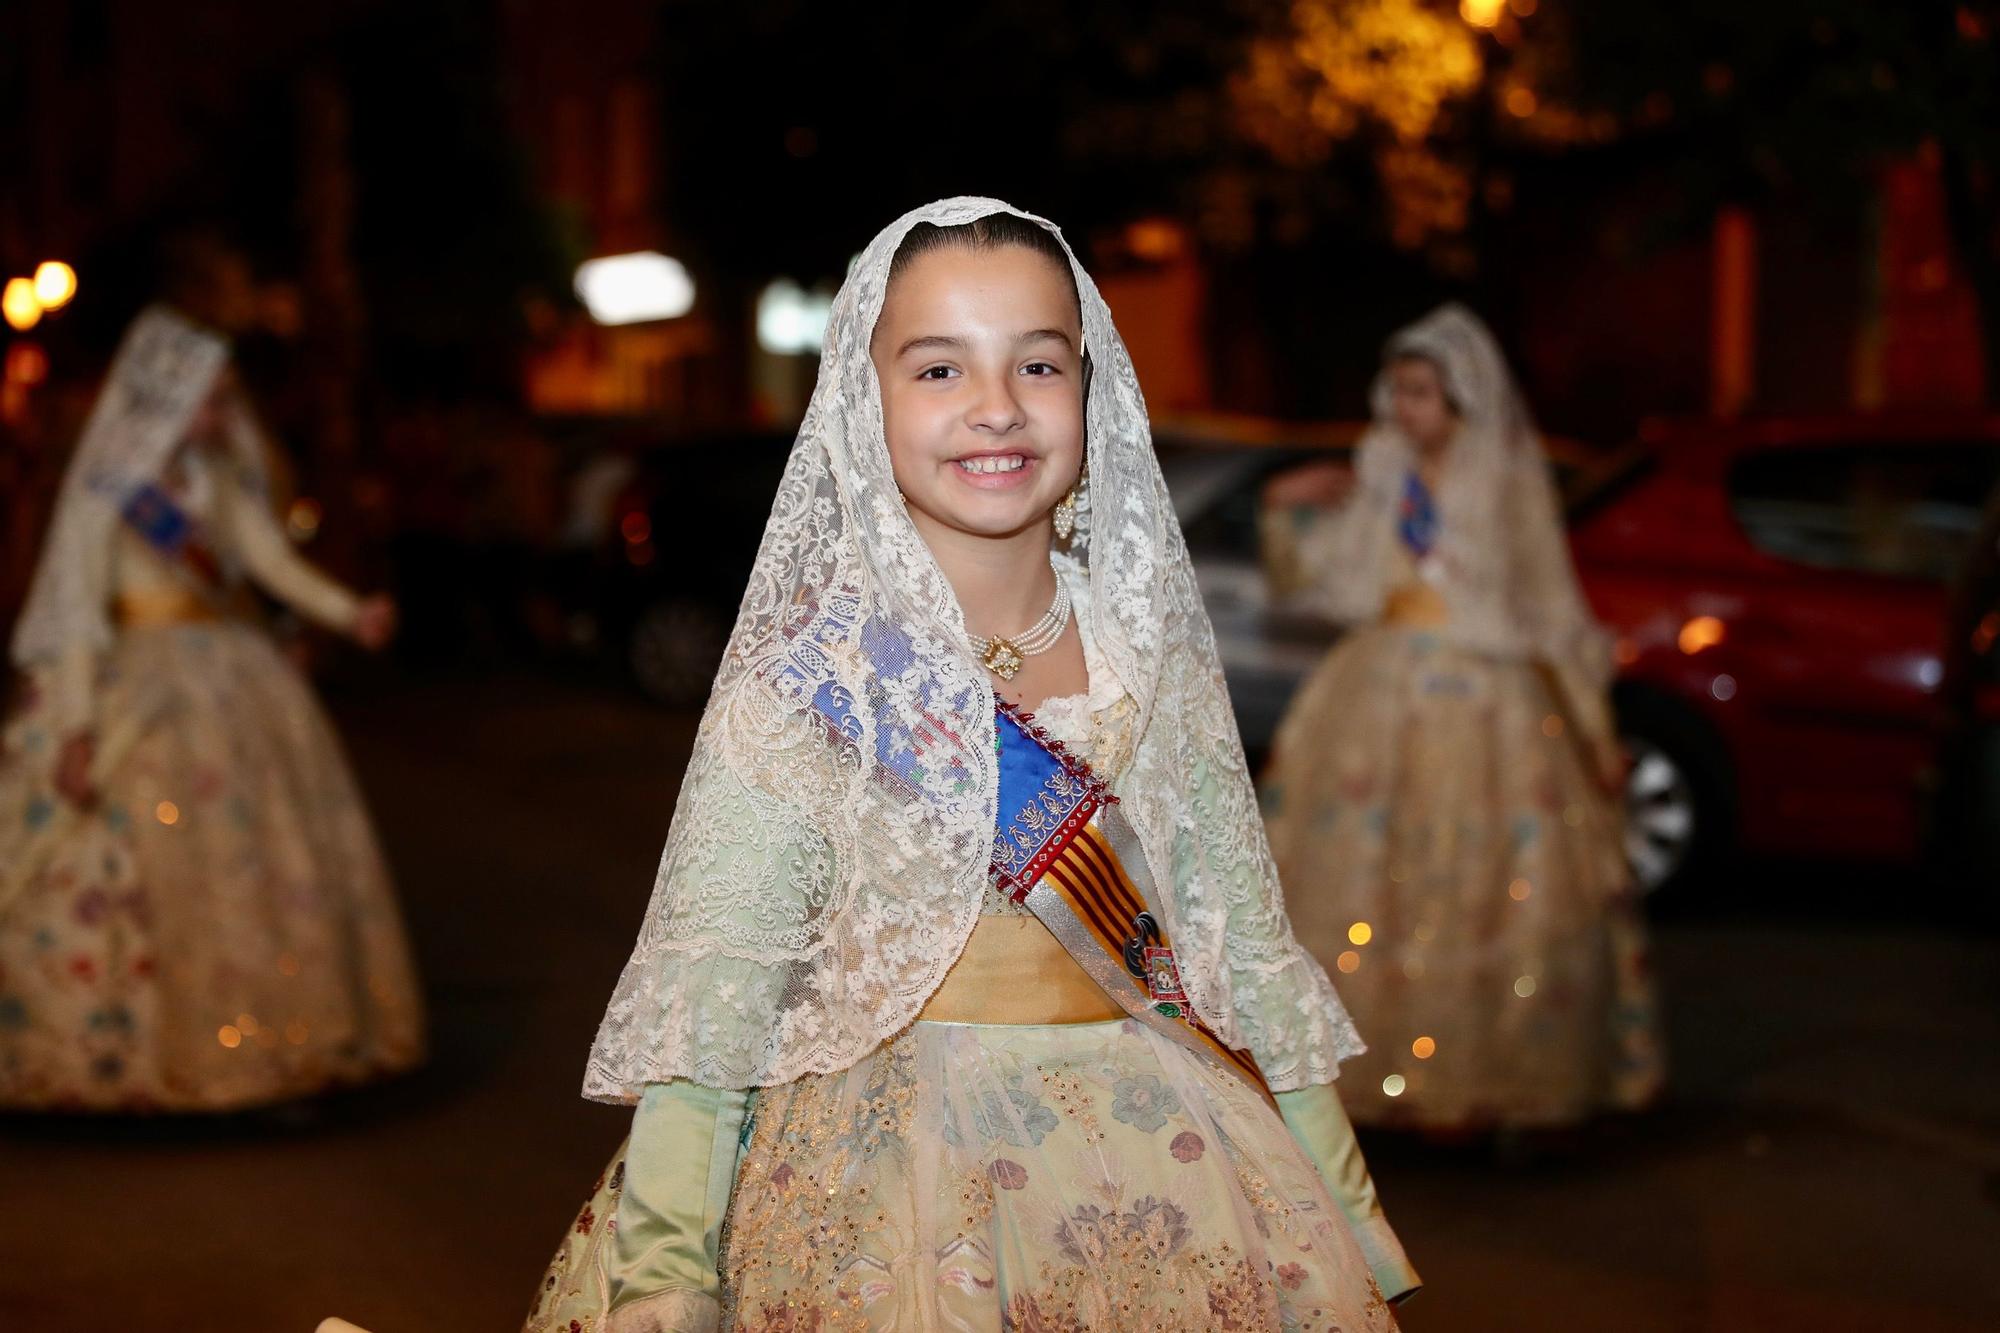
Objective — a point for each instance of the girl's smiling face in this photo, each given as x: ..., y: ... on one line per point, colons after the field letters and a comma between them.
x: 979, y: 353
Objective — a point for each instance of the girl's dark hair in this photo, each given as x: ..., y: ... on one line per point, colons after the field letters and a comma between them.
x: 992, y: 232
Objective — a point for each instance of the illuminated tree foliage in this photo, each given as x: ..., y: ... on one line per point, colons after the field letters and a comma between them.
x: 1731, y: 101
x: 1382, y: 72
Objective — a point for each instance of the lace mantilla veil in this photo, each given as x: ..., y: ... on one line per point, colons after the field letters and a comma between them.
x: 815, y: 886
x: 165, y: 369
x: 1501, y: 560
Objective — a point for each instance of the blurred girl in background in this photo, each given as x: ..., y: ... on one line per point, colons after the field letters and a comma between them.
x: 1442, y: 795
x: 194, y: 914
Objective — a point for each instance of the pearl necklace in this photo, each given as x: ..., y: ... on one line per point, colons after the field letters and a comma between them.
x: 1005, y: 655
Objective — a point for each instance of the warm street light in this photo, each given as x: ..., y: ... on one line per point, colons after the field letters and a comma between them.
x: 20, y: 304
x: 1483, y: 13
x: 55, y: 284
x: 634, y: 288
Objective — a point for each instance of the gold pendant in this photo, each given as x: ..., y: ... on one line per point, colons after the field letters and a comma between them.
x: 1002, y: 658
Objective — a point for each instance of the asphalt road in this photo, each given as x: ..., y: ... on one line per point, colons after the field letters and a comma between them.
x: 1829, y: 1159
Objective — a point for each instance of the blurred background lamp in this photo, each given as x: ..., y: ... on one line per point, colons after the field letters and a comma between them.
x: 634, y: 288
x: 1699, y: 633
x: 791, y: 320
x: 26, y: 364
x: 55, y: 284
x: 1482, y: 13
x: 1156, y: 240
x: 20, y: 305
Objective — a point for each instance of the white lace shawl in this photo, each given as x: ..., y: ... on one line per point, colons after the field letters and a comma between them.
x: 165, y: 369
x: 1501, y: 560
x: 814, y: 891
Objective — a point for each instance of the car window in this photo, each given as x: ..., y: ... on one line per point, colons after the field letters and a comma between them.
x: 1589, y: 488
x: 1217, y: 494
x: 1226, y: 526
x: 1909, y: 511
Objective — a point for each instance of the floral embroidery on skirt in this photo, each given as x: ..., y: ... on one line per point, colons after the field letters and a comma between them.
x: 221, y: 931
x: 1449, y: 859
x: 967, y: 1176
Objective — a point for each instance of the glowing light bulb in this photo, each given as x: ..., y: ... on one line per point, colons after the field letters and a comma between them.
x: 1482, y: 13
x: 55, y: 284
x: 19, y: 303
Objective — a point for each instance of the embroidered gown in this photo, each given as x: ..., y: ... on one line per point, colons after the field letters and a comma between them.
x: 220, y: 931
x: 1023, y: 1174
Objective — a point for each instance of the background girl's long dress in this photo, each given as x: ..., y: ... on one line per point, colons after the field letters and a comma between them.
x: 1432, y: 798
x: 220, y: 930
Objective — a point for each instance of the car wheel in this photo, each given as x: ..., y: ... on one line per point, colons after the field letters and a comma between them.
x: 1662, y: 815
x: 1680, y: 806
x: 675, y: 646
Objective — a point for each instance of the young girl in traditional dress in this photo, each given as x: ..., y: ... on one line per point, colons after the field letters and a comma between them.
x: 1440, y: 796
x: 966, y: 998
x: 194, y: 915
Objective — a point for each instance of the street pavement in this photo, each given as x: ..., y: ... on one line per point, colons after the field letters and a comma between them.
x: 1828, y: 1160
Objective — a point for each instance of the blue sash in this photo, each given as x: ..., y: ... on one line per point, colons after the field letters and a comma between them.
x: 1046, y: 799
x: 1417, y: 523
x: 1065, y: 850
x: 154, y: 515
x: 157, y: 517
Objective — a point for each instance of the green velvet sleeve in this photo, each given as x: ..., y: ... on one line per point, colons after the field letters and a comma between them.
x: 680, y: 1168
x: 1319, y: 1122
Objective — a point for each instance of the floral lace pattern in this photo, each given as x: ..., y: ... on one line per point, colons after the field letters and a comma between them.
x: 814, y: 892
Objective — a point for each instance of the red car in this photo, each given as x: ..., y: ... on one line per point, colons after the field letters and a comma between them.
x: 1969, y: 816
x: 1782, y: 595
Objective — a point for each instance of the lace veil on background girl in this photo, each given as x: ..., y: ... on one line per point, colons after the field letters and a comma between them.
x: 164, y: 371
x: 1501, y: 560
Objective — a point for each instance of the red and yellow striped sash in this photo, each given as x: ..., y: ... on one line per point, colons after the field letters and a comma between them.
x: 1091, y: 880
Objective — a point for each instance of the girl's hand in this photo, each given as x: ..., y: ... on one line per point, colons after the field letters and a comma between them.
x: 1326, y: 485
x: 73, y: 764
x: 375, y: 622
